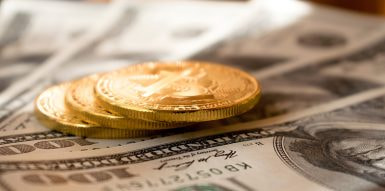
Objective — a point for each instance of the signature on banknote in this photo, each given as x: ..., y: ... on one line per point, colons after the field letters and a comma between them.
x: 184, y: 165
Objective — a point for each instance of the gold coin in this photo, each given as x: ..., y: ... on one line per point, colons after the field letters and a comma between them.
x: 51, y: 110
x: 184, y: 91
x: 80, y: 98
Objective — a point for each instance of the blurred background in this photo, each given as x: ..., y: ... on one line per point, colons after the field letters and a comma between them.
x: 254, y: 37
x: 376, y: 7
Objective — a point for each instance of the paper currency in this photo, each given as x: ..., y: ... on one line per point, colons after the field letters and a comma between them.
x: 312, y: 151
x: 328, y: 139
x: 22, y: 119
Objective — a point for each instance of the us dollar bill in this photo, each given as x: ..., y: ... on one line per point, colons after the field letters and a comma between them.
x: 292, y: 90
x: 331, y: 140
x: 333, y: 146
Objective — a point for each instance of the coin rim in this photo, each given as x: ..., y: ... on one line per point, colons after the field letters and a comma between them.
x: 92, y: 131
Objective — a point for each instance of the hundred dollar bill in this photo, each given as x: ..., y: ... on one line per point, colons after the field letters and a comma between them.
x: 337, y: 145
x: 280, y: 97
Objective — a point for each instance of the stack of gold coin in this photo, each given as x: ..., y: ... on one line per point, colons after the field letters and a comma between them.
x: 144, y: 99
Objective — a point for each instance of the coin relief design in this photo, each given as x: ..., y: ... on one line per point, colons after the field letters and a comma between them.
x: 178, y: 87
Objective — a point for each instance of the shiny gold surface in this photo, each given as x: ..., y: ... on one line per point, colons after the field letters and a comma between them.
x: 51, y: 110
x: 80, y: 98
x: 178, y: 91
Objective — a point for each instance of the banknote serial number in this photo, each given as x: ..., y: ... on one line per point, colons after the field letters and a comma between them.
x: 180, y: 178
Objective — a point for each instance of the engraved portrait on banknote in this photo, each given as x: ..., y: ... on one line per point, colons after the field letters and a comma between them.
x: 345, y: 145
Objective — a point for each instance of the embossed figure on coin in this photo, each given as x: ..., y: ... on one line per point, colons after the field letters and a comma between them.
x: 180, y: 87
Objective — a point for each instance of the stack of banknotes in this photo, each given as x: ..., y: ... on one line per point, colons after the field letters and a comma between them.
x: 143, y: 99
x: 319, y: 123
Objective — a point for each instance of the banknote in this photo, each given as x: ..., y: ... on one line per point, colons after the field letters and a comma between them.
x: 337, y: 145
x: 318, y: 127
x: 298, y: 87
